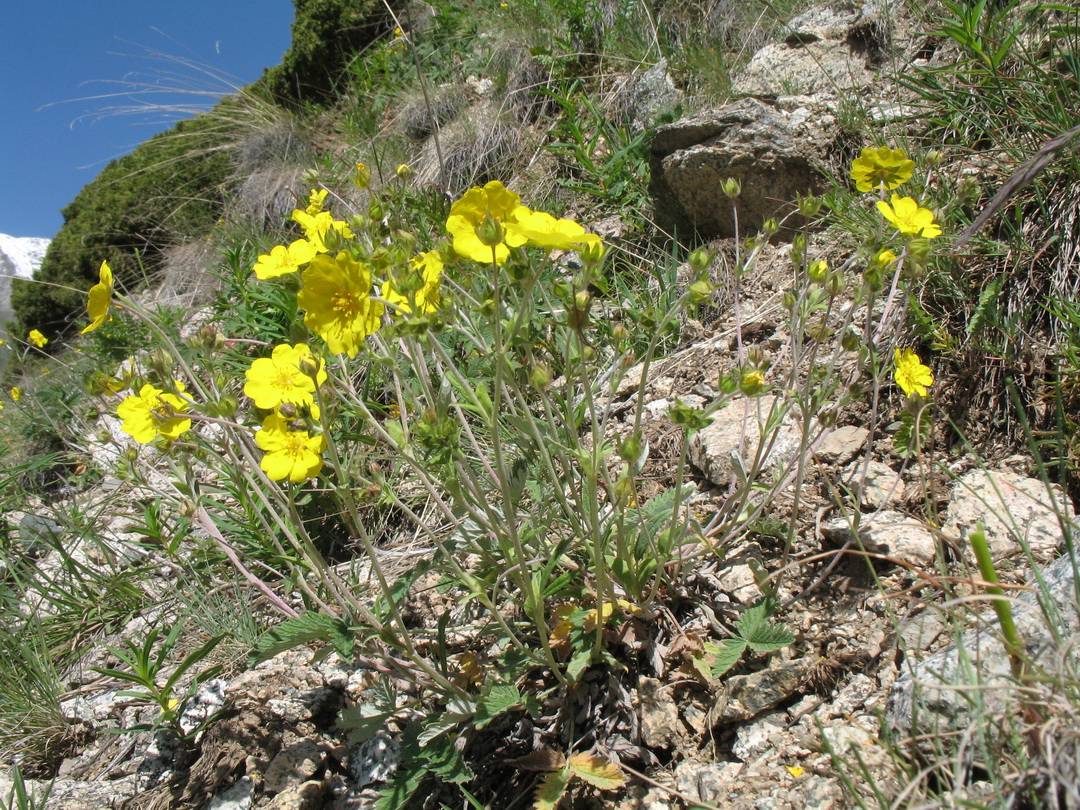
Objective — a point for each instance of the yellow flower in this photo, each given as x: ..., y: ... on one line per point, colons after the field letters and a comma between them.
x: 336, y: 299
x: 881, y: 167
x: 317, y: 226
x: 154, y: 413
x: 292, y: 454
x: 16, y: 394
x: 404, y: 171
x: 794, y: 770
x: 422, y: 280
x: 909, y: 218
x: 97, y: 306
x: 910, y: 374
x: 544, y: 230
x: 37, y: 338
x: 282, y: 260
x: 492, y: 202
x: 315, y: 200
x: 279, y: 377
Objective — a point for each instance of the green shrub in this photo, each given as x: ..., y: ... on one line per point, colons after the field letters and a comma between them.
x: 169, y: 187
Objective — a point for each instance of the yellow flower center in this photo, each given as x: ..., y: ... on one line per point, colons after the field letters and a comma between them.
x: 346, y: 303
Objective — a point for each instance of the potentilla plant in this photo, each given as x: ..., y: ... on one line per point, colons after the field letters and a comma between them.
x: 470, y: 387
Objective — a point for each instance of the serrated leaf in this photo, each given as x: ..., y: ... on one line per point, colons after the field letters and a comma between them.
x: 445, y: 761
x: 303, y: 629
x: 754, y: 617
x: 401, y: 787
x: 727, y: 652
x: 598, y: 771
x: 501, y: 698
x: 550, y: 791
x: 361, y: 722
x: 769, y: 637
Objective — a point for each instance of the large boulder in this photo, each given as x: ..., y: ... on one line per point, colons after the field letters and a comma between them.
x: 773, y: 152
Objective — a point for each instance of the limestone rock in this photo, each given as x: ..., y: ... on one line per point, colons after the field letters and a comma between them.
x: 746, y: 696
x: 734, y: 439
x: 1015, y: 510
x: 830, y: 49
x: 841, y: 444
x: 306, y: 796
x: 294, y: 765
x: 890, y: 533
x: 763, y: 147
x: 930, y: 683
x: 238, y: 797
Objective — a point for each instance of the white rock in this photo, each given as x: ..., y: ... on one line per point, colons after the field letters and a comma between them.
x: 734, y: 440
x: 1016, y: 511
x: 890, y: 533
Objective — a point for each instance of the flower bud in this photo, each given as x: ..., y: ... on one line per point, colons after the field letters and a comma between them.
x: 310, y: 177
x: 403, y: 171
x: 731, y: 187
x: 809, y: 205
x: 490, y: 232
x: 361, y: 176
x: 933, y: 157
x: 699, y: 260
x: 226, y: 406
x: 309, y: 365
x: 540, y: 376
x: 701, y: 291
x: 818, y: 271
x: 188, y: 508
x: 753, y: 383
x: 619, y: 332
x: 770, y: 226
x: 288, y: 410
x: 850, y: 341
x: 592, y: 253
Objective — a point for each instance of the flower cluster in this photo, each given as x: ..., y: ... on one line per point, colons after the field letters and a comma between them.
x: 883, y: 170
x: 488, y: 221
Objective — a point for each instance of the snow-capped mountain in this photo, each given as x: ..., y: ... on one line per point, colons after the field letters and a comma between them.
x: 20, y: 257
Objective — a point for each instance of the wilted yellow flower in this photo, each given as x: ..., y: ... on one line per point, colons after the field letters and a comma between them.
x: 315, y: 200
x: 154, y: 413
x: 876, y: 168
x: 546, y: 231
x: 279, y: 378
x: 37, y: 338
x: 292, y: 454
x: 909, y: 218
x: 361, y: 176
x: 282, y: 260
x: 336, y: 299
x: 910, y: 374
x: 16, y: 394
x: 492, y: 203
x: 97, y: 305
x: 317, y: 226
x: 404, y: 171
x: 422, y: 279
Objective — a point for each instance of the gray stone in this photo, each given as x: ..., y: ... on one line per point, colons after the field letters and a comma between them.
x: 746, y: 696
x: 935, y: 684
x: 841, y: 444
x: 830, y: 49
x: 732, y: 442
x: 294, y: 765
x: 238, y: 797
x: 1016, y: 511
x: 306, y: 796
x: 754, y: 143
x: 890, y: 533
x: 881, y: 486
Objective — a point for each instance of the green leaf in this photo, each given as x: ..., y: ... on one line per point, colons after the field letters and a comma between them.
x: 753, y: 618
x: 769, y: 637
x: 551, y: 790
x: 362, y: 722
x: 445, y: 761
x: 727, y: 652
x: 987, y: 306
x: 501, y: 698
x: 304, y: 629
x: 401, y: 787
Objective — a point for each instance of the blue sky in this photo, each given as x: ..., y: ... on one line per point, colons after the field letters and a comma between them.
x: 59, y: 59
